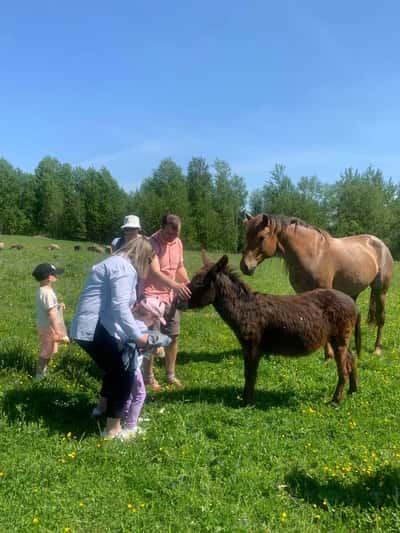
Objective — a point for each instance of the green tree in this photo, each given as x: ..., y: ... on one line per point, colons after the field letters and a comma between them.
x: 164, y: 192
x: 200, y: 194
x: 12, y: 216
x: 363, y: 203
x: 229, y: 203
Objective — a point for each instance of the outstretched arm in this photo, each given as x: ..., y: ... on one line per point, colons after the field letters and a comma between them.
x: 180, y: 289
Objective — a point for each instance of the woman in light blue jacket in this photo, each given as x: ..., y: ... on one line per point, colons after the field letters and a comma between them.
x: 103, y: 323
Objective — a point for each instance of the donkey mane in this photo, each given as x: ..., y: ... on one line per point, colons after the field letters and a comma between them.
x: 232, y: 280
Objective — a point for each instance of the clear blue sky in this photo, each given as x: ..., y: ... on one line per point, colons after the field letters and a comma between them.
x: 312, y: 84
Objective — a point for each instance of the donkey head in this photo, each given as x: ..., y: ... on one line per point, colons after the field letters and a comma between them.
x: 261, y: 242
x: 202, y: 285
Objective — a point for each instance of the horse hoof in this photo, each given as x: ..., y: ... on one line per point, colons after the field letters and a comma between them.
x: 377, y: 352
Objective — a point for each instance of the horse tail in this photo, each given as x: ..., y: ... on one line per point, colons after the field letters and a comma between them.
x: 372, y: 308
x: 357, y: 333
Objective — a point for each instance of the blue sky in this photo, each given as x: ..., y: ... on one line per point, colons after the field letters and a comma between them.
x: 311, y: 84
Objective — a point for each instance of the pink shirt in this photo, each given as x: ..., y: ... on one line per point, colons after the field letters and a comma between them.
x: 170, y: 256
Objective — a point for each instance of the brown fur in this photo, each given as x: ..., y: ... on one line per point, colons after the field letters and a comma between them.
x: 315, y: 259
x: 281, y: 325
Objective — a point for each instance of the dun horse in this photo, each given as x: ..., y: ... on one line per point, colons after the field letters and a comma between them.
x: 281, y: 325
x: 315, y: 259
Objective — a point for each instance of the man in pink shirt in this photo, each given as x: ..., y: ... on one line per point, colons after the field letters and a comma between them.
x: 167, y: 278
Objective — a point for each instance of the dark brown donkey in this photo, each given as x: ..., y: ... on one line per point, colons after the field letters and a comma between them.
x: 280, y: 325
x: 315, y: 259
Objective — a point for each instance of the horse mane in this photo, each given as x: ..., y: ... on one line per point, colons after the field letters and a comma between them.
x: 278, y: 223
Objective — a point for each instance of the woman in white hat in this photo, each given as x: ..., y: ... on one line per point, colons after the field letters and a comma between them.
x: 130, y: 228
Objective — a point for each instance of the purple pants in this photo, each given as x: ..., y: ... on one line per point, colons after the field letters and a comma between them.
x: 134, y: 403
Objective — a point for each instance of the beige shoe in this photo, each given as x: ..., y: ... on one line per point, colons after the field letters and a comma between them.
x: 152, y: 384
x: 175, y: 382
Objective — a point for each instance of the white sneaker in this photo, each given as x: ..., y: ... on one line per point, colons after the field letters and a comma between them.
x: 131, y: 433
x: 119, y: 436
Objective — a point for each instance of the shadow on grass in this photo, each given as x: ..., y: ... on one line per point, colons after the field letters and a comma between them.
x: 229, y: 396
x: 378, y: 490
x: 60, y: 411
x: 186, y: 358
x: 17, y: 358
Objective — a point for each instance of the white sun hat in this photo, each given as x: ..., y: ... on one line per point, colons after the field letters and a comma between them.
x: 131, y: 221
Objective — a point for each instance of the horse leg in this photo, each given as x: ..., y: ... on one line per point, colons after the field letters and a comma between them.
x: 340, y: 351
x: 251, y: 361
x: 377, y: 315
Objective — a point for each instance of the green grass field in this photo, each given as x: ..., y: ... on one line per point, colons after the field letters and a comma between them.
x: 289, y: 463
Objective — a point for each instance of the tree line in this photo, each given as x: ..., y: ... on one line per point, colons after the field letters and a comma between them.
x: 66, y: 202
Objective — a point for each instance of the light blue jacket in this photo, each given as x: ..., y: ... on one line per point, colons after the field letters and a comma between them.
x: 108, y: 295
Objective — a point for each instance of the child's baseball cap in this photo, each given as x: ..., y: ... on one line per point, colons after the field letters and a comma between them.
x: 44, y: 270
x: 155, y: 307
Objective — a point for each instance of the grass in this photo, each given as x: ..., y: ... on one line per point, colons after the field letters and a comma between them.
x: 289, y: 463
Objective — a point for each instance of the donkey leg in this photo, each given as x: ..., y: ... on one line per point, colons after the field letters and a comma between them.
x: 341, y: 364
x: 352, y: 372
x: 329, y: 353
x: 251, y: 361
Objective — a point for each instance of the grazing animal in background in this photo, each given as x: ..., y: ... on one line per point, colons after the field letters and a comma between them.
x: 315, y: 259
x: 2, y: 245
x: 17, y: 246
x: 77, y: 247
x: 108, y: 249
x: 279, y: 325
x: 54, y: 246
x: 96, y: 248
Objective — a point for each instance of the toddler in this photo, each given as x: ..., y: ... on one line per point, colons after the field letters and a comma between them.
x: 149, y: 314
x: 49, y: 316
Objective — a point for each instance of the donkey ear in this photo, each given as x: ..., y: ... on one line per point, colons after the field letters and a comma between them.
x: 221, y: 263
x: 215, y: 269
x: 206, y: 260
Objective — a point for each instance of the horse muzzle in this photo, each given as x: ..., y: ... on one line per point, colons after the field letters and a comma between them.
x: 248, y: 271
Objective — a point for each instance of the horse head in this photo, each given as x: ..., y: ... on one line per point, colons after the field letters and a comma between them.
x: 261, y: 242
x: 202, y: 284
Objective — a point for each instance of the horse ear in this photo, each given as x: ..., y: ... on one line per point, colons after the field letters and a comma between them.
x: 264, y: 221
x: 206, y: 260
